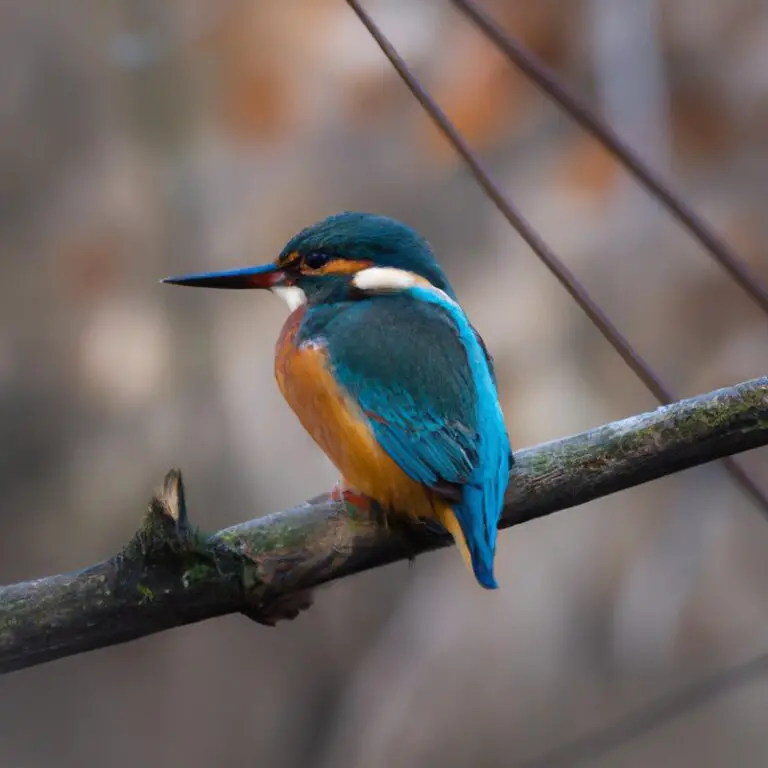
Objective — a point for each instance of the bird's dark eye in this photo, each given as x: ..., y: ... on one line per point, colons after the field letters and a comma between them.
x: 316, y: 259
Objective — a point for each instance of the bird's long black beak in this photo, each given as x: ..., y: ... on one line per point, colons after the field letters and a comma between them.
x: 266, y: 276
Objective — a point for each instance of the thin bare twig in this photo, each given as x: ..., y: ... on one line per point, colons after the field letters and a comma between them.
x: 546, y: 80
x: 170, y: 575
x: 594, y: 745
x: 564, y: 276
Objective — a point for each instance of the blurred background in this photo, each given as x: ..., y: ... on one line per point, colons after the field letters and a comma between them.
x: 140, y: 139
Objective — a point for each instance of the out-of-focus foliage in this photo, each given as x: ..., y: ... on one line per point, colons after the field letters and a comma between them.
x: 139, y: 139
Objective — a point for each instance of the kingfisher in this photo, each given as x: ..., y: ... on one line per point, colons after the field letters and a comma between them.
x: 386, y: 373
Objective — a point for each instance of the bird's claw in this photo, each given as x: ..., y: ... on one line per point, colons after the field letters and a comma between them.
x: 342, y: 494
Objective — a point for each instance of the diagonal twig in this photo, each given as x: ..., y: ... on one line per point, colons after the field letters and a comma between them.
x: 539, y: 73
x: 594, y: 745
x: 564, y: 276
x: 170, y: 574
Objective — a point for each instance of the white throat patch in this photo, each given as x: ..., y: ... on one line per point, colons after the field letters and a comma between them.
x: 294, y: 297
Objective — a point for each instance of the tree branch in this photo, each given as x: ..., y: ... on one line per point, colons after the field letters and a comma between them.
x: 170, y: 574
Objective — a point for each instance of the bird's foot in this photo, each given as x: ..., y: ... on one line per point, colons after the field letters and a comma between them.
x: 343, y: 494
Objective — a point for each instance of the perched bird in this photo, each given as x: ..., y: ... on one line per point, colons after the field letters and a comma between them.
x: 386, y: 373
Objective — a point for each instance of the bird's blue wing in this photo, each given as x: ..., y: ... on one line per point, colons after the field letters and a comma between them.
x: 419, y: 372
x: 405, y: 364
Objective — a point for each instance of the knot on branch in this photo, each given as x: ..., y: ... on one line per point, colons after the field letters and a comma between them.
x: 167, y: 542
x: 282, y: 608
x: 166, y: 525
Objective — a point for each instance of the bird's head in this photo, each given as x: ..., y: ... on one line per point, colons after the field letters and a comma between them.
x: 330, y: 260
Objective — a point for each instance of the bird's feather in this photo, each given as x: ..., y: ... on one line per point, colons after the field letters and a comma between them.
x: 415, y: 368
x: 403, y: 363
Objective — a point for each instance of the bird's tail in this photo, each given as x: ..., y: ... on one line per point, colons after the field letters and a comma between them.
x: 468, y: 523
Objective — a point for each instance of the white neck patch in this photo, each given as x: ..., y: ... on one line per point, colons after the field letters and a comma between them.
x: 294, y: 297
x: 383, y: 280
x: 391, y: 280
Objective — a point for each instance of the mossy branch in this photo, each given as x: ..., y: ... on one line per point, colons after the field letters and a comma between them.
x: 170, y: 574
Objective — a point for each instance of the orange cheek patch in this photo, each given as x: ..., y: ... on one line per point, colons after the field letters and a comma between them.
x: 289, y: 259
x: 340, y: 267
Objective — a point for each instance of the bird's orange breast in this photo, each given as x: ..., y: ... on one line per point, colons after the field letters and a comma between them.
x: 338, y: 426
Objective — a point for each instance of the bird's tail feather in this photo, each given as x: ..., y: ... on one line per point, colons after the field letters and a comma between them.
x: 466, y: 523
x: 451, y: 523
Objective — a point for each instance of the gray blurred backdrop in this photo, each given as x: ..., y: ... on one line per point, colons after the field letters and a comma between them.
x: 140, y: 139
